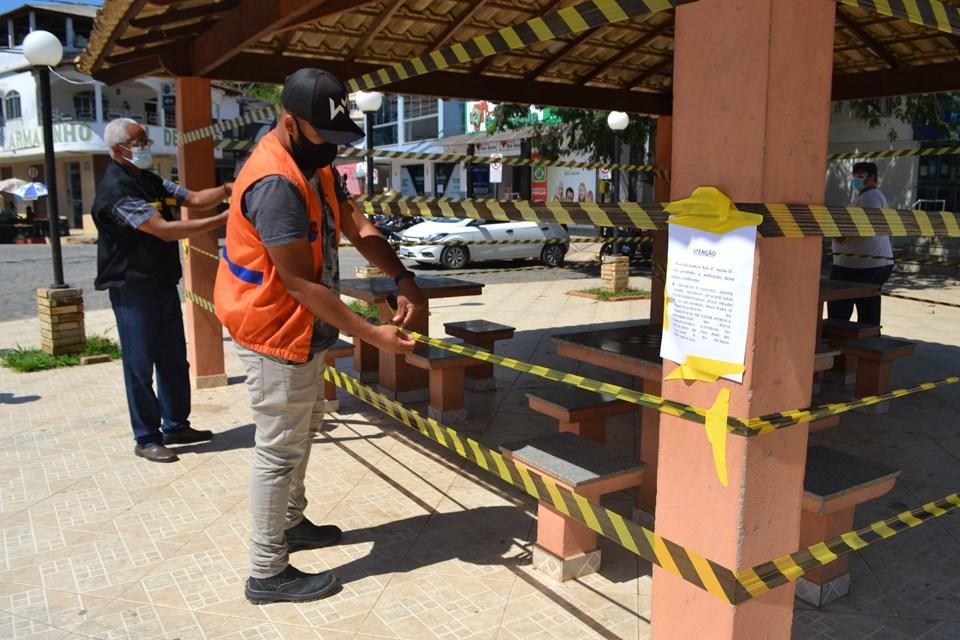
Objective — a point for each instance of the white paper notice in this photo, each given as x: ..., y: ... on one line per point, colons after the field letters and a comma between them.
x: 709, y: 281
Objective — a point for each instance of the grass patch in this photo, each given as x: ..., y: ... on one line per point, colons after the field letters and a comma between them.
x: 27, y: 360
x: 364, y: 309
x: 603, y: 295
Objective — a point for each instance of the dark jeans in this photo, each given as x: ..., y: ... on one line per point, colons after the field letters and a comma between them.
x: 150, y: 325
x: 868, y: 309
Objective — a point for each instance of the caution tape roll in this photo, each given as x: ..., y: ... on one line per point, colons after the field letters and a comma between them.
x: 924, y: 300
x: 927, y: 13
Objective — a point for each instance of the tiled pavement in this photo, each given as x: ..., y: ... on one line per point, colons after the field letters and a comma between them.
x: 97, y: 543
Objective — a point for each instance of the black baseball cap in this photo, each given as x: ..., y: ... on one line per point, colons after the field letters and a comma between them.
x: 319, y: 97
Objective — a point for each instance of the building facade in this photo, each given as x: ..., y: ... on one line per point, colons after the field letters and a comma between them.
x: 81, y: 108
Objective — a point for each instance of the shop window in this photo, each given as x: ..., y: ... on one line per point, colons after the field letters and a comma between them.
x: 11, y: 106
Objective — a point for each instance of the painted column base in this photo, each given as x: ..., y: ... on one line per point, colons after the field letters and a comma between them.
x: 450, y: 417
x: 210, y: 382
x: 820, y: 595
x: 405, y: 397
x: 365, y: 377
x: 563, y: 569
x: 481, y: 384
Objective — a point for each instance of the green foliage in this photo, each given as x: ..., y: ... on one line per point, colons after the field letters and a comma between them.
x: 266, y: 92
x: 28, y: 360
x: 920, y: 111
x: 605, y: 295
x: 581, y: 131
x: 364, y: 309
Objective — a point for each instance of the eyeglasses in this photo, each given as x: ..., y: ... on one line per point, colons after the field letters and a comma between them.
x: 140, y: 145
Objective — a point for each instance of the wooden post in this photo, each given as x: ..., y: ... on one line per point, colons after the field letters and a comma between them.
x: 196, y: 170
x: 752, y: 83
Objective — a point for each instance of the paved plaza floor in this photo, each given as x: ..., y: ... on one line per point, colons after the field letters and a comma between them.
x: 97, y: 543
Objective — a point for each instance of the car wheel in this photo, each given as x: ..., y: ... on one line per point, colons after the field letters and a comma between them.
x: 553, y: 255
x: 454, y: 257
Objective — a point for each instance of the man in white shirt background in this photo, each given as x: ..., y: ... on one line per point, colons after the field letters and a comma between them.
x: 848, y: 263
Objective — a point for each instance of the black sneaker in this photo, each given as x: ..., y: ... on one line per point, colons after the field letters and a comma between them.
x: 307, y: 535
x: 186, y: 435
x: 291, y: 585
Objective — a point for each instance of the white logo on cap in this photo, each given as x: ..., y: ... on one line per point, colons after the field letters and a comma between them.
x: 337, y: 108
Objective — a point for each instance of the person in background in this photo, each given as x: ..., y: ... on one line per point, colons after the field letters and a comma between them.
x: 868, y: 260
x: 138, y: 261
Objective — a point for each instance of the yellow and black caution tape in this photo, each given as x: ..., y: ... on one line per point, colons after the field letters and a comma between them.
x: 941, y: 303
x: 780, y: 220
x: 926, y: 13
x: 769, y: 575
x: 201, y: 302
x: 734, y: 588
x: 898, y: 259
x: 550, y: 26
x: 188, y: 247
x: 896, y: 153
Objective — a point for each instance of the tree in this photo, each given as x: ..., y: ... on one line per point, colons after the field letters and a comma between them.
x: 573, y: 131
x: 937, y: 114
x: 269, y: 93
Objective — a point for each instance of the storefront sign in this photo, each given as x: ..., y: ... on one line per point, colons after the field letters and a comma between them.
x: 63, y: 132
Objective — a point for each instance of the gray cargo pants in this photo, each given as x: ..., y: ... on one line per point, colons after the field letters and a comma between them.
x: 287, y: 400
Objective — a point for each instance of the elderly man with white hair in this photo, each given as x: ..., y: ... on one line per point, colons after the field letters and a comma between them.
x: 138, y: 262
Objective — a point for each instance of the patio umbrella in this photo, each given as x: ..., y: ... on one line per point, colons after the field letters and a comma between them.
x: 11, y: 183
x: 30, y: 191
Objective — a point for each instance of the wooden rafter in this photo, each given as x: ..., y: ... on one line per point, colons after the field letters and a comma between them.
x: 931, y: 78
x: 379, y: 23
x: 173, y: 16
x: 326, y: 10
x: 162, y: 35
x: 626, y: 52
x: 481, y: 66
x: 651, y: 71
x: 249, y: 22
x: 448, y: 33
x: 562, y: 53
x: 144, y: 52
x: 121, y: 26
x: 247, y: 67
x: 864, y: 36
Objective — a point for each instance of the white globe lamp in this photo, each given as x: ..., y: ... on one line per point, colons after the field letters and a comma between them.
x: 42, y: 49
x: 369, y: 101
x: 618, y: 120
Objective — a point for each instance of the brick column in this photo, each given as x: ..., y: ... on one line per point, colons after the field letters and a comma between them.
x: 61, y: 320
x: 196, y: 170
x: 752, y: 82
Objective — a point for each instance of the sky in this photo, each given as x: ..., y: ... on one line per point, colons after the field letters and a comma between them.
x: 10, y: 5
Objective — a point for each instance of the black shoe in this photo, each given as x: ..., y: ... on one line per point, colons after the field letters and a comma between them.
x: 186, y: 435
x: 291, y: 585
x: 307, y: 535
x: 155, y: 453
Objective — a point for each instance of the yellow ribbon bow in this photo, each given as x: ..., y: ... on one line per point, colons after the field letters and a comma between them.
x: 708, y: 209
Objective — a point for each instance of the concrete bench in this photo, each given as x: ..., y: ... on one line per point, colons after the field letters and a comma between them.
x: 834, y: 484
x: 837, y: 331
x: 583, y: 413
x: 875, y: 357
x: 483, y: 335
x: 566, y: 549
x: 447, y: 371
x: 341, y: 349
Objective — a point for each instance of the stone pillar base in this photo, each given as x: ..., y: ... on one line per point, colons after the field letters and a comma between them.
x: 210, y: 382
x: 331, y: 406
x: 450, y: 418
x: 615, y: 273
x: 61, y: 321
x: 405, y: 397
x: 481, y: 384
x: 820, y: 595
x: 563, y: 569
x: 370, y: 271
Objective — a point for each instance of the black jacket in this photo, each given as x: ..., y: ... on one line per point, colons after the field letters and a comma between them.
x: 126, y: 257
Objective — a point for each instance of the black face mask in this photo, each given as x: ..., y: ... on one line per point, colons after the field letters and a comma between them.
x: 311, y: 156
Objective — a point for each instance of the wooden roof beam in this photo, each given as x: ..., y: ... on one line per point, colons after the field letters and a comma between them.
x: 378, y: 24
x: 249, y: 22
x: 635, y: 46
x: 116, y: 74
x: 864, y: 36
x: 121, y: 26
x: 651, y: 71
x: 931, y: 78
x: 160, y: 35
x: 325, y: 10
x: 448, y: 33
x: 561, y: 54
x: 250, y: 67
x: 173, y: 16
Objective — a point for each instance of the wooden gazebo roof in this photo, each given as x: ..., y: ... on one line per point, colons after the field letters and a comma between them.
x: 625, y: 66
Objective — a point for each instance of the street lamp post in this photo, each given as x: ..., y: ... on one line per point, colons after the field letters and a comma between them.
x: 369, y: 103
x: 43, y: 50
x: 617, y: 121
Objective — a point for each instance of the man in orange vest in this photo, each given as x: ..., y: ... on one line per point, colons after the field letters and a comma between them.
x: 277, y: 294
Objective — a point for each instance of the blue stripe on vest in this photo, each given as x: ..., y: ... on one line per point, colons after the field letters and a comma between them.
x: 247, y: 275
x: 312, y: 236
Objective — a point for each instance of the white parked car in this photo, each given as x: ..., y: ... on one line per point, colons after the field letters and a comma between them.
x: 433, y: 241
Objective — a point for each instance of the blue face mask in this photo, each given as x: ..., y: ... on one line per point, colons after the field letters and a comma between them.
x: 858, y: 184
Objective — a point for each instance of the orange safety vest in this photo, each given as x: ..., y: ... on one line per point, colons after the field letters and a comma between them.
x: 251, y: 300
